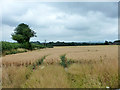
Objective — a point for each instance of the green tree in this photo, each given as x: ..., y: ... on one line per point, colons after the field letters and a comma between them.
x: 106, y: 43
x: 22, y: 34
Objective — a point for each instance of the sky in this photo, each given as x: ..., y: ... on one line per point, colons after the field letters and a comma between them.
x: 62, y: 21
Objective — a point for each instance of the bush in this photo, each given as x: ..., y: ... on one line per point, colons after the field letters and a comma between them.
x: 36, y: 46
x: 9, y: 46
x: 39, y: 62
x: 49, y: 46
x: 14, y: 52
x: 26, y: 45
x: 63, y: 60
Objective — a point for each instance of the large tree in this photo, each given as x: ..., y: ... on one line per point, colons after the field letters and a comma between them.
x: 23, y: 33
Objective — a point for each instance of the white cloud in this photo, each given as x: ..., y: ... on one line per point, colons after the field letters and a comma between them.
x: 6, y: 33
x: 52, y: 23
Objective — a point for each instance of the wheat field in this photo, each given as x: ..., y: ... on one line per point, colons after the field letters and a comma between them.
x: 93, y: 67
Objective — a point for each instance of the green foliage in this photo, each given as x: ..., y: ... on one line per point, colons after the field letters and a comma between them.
x: 23, y: 33
x: 18, y: 38
x: 14, y: 52
x: 9, y: 46
x: 64, y: 62
x: 26, y: 45
x: 31, y: 46
x: 36, y: 46
x: 49, y: 46
x: 106, y: 43
x: 39, y: 62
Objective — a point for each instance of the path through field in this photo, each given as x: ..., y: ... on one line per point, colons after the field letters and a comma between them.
x: 98, y: 65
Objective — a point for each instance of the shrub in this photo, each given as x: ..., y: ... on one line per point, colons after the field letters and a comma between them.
x: 39, y: 62
x: 49, y: 46
x: 9, y: 46
x: 26, y: 45
x: 36, y: 46
x: 63, y: 60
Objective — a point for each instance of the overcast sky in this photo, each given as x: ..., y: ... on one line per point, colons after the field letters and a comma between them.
x: 63, y: 21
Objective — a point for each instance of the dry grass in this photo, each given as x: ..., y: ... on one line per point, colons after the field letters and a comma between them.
x: 23, y: 58
x: 13, y: 77
x: 0, y: 77
x: 0, y: 72
x: 98, y: 68
x: 52, y: 76
x: 93, y: 75
x: 75, y: 53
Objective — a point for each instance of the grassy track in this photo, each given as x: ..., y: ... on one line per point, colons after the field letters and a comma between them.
x: 80, y: 67
x: 16, y: 76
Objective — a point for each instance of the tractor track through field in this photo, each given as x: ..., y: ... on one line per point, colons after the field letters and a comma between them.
x: 71, y: 66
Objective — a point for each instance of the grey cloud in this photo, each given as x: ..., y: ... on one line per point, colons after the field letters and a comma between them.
x: 79, y: 28
x: 9, y: 21
x: 108, y: 8
x: 64, y: 21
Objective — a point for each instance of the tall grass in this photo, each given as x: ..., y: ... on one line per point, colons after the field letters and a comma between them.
x: 12, y: 73
x: 78, y: 75
x: 13, y: 77
x: 52, y: 76
x: 0, y: 77
x: 93, y: 75
x: 38, y: 62
x: 100, y: 72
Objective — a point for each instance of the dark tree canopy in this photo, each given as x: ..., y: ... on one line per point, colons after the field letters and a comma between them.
x: 23, y: 33
x: 106, y: 43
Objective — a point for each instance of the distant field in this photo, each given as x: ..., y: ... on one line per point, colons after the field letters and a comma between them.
x: 87, y: 67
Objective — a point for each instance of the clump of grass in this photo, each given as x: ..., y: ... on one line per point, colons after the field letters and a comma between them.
x: 38, y: 62
x: 64, y: 62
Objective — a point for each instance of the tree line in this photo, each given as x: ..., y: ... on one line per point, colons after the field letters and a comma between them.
x: 58, y: 43
x: 23, y: 33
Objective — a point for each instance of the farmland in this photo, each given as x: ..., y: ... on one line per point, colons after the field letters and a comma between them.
x: 62, y: 67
